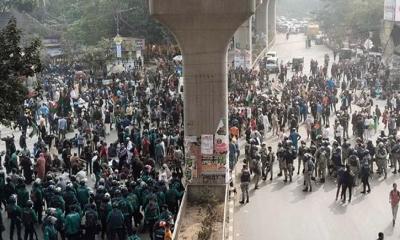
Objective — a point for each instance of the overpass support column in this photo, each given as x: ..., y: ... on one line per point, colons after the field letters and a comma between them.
x: 203, y: 30
x: 262, y: 24
x: 243, y: 45
x: 271, y: 19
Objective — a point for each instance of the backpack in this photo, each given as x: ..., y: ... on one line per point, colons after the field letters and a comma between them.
x: 91, y: 219
x: 245, y: 177
x: 27, y: 217
x: 116, y: 218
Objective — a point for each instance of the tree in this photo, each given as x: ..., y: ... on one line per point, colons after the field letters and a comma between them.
x: 87, y: 21
x: 357, y: 18
x: 20, y: 5
x: 17, y: 62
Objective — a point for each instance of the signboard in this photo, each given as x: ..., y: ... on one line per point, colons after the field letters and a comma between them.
x: 139, y: 44
x: 389, y: 10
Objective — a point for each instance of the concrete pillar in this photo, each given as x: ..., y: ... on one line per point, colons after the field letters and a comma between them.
x: 271, y: 19
x: 203, y: 30
x: 262, y: 22
x: 243, y: 44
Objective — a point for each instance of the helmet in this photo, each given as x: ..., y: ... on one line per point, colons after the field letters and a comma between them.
x: 107, y: 196
x: 381, y: 145
x: 13, y: 199
x: 29, y: 204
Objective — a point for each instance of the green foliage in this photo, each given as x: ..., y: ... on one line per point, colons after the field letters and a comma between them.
x: 355, y: 17
x: 88, y: 21
x: 20, y: 5
x: 17, y: 63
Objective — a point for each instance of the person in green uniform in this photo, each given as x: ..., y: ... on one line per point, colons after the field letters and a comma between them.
x: 29, y: 219
x: 37, y: 198
x: 73, y: 225
x: 22, y: 193
x: 14, y: 214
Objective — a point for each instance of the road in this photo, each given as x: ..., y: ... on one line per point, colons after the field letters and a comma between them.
x: 282, y: 211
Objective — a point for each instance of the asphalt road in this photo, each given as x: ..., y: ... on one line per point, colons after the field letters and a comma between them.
x: 283, y: 212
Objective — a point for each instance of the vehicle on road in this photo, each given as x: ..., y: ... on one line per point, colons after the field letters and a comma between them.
x: 345, y: 54
x: 297, y: 64
x: 271, y: 54
x: 272, y: 65
x: 312, y: 31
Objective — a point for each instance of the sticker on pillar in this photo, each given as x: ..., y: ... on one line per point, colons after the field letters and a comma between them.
x: 221, y: 142
x: 192, y: 149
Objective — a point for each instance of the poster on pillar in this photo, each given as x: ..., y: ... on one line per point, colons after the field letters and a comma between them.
x: 192, y: 154
x: 216, y: 163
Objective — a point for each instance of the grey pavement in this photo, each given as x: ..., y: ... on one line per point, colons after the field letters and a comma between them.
x: 283, y: 212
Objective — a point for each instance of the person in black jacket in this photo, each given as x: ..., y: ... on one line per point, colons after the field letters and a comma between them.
x: 245, y: 183
x: 348, y: 182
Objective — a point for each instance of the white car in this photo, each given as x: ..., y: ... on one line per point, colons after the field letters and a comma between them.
x: 271, y: 54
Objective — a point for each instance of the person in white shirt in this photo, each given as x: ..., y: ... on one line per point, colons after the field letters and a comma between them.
x: 309, y: 122
x: 325, y: 132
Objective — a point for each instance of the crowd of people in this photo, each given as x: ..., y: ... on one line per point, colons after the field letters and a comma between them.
x: 328, y: 125
x: 107, y: 156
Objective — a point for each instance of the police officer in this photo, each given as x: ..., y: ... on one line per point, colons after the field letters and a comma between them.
x: 381, y: 157
x: 115, y: 223
x: 279, y: 156
x: 288, y: 158
x: 105, y: 208
x: 83, y: 193
x: 15, y: 215
x: 91, y: 220
x: 308, y: 171
x: 302, y: 152
x: 264, y: 160
x: 395, y: 155
x: 321, y: 161
x: 29, y: 219
x: 37, y: 198
x: 73, y: 224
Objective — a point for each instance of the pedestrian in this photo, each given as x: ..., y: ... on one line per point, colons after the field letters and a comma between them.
x: 245, y: 183
x: 394, y: 198
x: 348, y: 180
